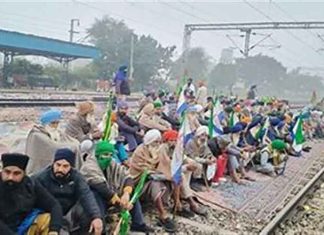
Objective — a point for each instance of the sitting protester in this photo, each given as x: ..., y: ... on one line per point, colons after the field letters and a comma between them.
x: 159, y: 111
x: 197, y: 150
x: 82, y: 125
x: 26, y: 207
x: 44, y: 139
x: 149, y: 120
x: 272, y: 158
x: 182, y: 191
x: 68, y: 187
x: 128, y: 127
x: 114, y: 138
x: 112, y: 184
x: 157, y: 189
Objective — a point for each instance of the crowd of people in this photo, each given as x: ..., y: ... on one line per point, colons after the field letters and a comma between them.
x: 70, y: 180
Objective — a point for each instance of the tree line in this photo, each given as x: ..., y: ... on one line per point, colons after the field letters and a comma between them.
x: 155, y: 64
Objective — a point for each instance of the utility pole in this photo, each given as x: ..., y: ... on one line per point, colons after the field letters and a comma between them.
x: 131, y: 59
x: 247, y: 42
x: 67, y: 60
x: 71, y: 31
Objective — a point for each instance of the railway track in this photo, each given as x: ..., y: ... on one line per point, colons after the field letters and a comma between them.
x: 293, y: 204
x: 12, y: 103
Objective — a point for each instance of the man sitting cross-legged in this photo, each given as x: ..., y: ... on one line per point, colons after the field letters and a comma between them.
x: 68, y: 186
x: 25, y: 205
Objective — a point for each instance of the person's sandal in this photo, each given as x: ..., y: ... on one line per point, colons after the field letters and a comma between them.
x: 184, y: 212
x: 199, y: 210
x: 168, y: 225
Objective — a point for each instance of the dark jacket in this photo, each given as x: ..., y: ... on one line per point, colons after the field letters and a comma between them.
x: 127, y: 124
x: 214, y: 147
x: 69, y: 191
x: 18, y: 203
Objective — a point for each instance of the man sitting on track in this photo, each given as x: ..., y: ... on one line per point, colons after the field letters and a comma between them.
x: 44, y: 139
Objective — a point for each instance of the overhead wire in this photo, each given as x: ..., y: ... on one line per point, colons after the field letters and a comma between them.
x: 286, y: 30
x: 291, y: 17
x: 125, y: 17
x: 41, y: 24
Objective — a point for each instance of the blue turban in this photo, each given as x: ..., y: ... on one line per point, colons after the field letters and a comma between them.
x: 50, y: 116
x: 274, y: 121
x: 122, y: 68
x: 281, y: 124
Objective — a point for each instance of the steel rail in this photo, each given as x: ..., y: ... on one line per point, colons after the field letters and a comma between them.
x: 291, y: 205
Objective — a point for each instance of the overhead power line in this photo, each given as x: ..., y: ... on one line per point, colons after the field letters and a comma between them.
x: 288, y: 31
x: 105, y: 11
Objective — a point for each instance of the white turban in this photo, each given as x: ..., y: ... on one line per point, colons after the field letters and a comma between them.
x: 86, y: 146
x: 151, y: 136
x: 201, y: 130
x: 199, y: 108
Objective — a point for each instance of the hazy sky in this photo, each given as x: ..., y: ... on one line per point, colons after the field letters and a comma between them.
x: 165, y: 20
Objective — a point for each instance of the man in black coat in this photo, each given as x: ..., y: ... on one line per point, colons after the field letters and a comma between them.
x: 68, y: 187
x: 25, y: 205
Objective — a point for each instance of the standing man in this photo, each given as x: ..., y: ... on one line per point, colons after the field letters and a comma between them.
x: 201, y: 93
x: 121, y: 82
x: 68, y: 186
x: 189, y: 88
x: 25, y: 205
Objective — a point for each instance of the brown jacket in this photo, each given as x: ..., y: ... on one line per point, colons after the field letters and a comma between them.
x: 78, y: 128
x: 151, y: 121
x: 142, y: 159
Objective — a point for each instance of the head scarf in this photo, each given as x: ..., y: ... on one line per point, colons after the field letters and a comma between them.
x: 85, y: 107
x: 122, y: 104
x: 50, y: 116
x: 157, y: 104
x: 15, y: 159
x: 170, y: 135
x: 278, y: 145
x: 65, y: 154
x: 201, y: 130
x: 102, y: 148
x: 151, y: 136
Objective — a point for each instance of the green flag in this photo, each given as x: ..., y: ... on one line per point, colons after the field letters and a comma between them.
x: 106, y: 133
x: 137, y: 193
x: 298, y: 132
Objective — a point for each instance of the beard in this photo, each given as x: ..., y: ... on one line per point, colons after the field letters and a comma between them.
x: 202, y: 142
x: 11, y: 185
x: 60, y: 176
x: 90, y: 118
x: 53, y: 133
x: 122, y: 114
x: 172, y: 147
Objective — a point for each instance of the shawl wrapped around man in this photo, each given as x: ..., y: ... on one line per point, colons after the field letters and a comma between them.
x: 151, y: 121
x: 41, y: 148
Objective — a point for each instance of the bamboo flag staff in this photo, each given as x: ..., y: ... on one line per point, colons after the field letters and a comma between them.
x: 107, y: 130
x: 122, y: 226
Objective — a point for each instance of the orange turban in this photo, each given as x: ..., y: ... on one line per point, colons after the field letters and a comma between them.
x: 113, y: 117
x: 170, y: 135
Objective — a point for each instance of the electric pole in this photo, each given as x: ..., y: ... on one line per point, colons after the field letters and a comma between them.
x: 247, y: 42
x: 72, y: 32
